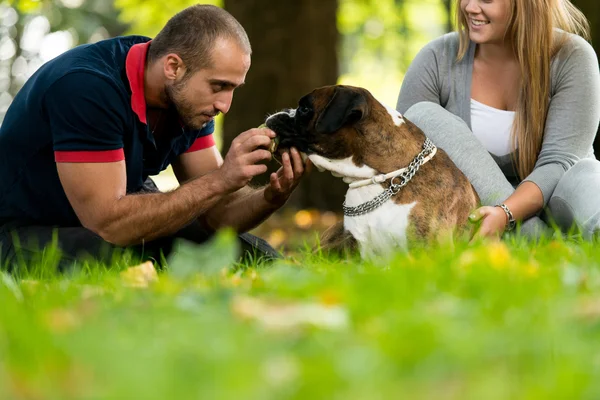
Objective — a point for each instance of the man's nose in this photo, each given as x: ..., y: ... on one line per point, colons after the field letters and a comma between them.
x: 223, y: 102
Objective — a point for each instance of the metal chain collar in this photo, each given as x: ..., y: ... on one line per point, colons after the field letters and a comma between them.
x: 394, y: 188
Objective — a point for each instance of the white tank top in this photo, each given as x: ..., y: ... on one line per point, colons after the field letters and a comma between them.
x: 492, y: 127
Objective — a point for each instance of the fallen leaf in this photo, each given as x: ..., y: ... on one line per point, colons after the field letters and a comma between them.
x: 282, y: 316
x: 139, y: 276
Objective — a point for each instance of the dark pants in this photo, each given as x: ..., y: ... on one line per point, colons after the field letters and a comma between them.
x: 27, y: 245
x: 24, y: 245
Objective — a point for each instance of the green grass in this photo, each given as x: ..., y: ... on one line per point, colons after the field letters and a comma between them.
x: 481, y: 321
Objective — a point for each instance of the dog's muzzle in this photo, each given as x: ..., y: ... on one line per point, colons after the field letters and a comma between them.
x: 288, y: 130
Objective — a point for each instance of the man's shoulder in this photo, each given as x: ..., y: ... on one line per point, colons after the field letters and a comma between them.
x: 87, y: 86
x: 118, y: 46
x: 105, y: 59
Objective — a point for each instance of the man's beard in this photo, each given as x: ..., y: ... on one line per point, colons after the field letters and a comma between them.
x: 177, y: 101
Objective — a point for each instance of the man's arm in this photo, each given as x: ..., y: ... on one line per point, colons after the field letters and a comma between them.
x: 198, y: 163
x: 97, y: 192
x: 247, y: 207
x: 242, y: 210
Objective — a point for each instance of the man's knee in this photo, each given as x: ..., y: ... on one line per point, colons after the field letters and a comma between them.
x: 257, y: 248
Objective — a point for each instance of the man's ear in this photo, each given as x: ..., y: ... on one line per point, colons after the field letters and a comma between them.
x: 174, y: 68
x: 346, y: 106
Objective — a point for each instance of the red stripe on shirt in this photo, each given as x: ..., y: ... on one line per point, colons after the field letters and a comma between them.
x: 201, y: 143
x: 135, y: 64
x: 89, y: 156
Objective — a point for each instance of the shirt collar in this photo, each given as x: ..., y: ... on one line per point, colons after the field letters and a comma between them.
x: 135, y: 65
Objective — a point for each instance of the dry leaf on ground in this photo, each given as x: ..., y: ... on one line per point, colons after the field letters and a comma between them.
x: 140, y: 276
x: 281, y: 316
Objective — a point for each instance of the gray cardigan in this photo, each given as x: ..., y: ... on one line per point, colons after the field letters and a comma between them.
x: 573, y: 115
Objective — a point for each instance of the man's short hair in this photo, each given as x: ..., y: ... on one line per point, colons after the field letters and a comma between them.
x: 192, y: 33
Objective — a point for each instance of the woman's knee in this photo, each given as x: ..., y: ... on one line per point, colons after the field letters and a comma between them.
x: 423, y: 107
x: 575, y: 199
x: 436, y: 121
x: 429, y: 110
x: 583, y: 176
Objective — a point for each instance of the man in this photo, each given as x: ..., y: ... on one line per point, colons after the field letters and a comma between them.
x: 82, y: 136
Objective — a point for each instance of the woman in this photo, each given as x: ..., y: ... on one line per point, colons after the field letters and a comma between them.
x: 514, y: 99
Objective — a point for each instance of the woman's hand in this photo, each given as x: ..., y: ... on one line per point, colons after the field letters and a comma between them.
x: 492, y: 220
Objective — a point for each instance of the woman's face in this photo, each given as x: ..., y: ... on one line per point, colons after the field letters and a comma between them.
x: 487, y: 19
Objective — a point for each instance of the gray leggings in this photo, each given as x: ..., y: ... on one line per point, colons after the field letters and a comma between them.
x: 575, y: 201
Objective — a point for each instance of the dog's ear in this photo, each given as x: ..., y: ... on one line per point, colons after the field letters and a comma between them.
x: 346, y: 106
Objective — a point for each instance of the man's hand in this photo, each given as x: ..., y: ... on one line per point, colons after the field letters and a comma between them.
x: 241, y: 162
x: 493, y: 221
x: 284, y: 181
x: 247, y: 208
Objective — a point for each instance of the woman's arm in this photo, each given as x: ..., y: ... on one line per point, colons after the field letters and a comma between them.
x: 524, y: 203
x: 571, y: 127
x: 573, y: 115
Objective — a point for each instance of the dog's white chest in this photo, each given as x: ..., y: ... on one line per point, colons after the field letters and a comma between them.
x: 382, y: 230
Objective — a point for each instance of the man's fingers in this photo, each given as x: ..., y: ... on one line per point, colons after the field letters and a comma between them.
x: 244, y: 136
x: 257, y: 156
x: 257, y: 169
x: 297, y: 163
x: 280, y: 172
x: 275, y: 182
x: 288, y: 172
x: 254, y: 142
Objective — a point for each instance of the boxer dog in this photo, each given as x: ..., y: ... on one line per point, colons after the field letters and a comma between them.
x: 401, y: 187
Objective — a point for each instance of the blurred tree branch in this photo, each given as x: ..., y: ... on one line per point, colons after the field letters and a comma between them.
x: 92, y: 20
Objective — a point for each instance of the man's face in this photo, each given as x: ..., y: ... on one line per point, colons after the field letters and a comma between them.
x: 201, y: 96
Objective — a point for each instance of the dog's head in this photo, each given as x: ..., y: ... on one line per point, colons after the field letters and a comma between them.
x: 345, y: 130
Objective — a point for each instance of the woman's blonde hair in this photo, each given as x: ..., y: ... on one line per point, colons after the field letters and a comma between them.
x: 531, y: 30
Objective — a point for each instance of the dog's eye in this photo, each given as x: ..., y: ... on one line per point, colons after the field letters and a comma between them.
x: 303, y: 110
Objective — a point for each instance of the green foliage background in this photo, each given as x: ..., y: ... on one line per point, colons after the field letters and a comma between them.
x: 378, y: 37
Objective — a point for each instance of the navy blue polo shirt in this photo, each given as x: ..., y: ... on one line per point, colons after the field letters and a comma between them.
x: 86, y: 105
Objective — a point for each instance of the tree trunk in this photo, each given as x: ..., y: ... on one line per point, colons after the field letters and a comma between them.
x: 294, y: 51
x: 592, y: 11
